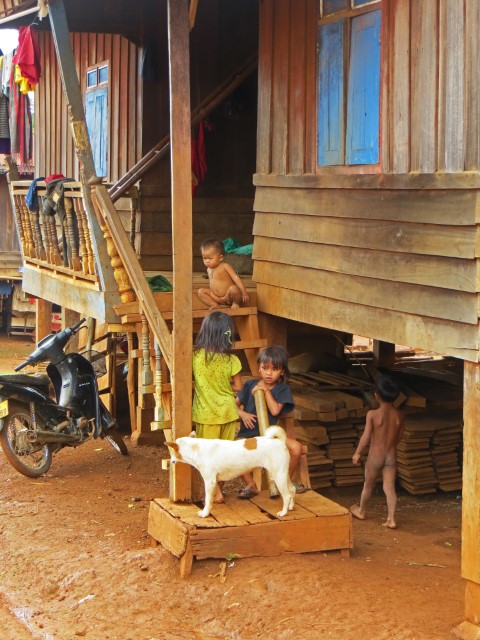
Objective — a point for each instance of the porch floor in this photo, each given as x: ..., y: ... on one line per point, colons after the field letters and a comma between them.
x: 249, y: 528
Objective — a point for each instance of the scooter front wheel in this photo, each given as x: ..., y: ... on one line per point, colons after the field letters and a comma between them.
x: 30, y: 459
x: 116, y: 441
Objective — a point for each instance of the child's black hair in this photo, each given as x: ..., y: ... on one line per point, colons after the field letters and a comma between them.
x: 278, y: 356
x: 213, y: 243
x: 216, y: 335
x: 387, y: 388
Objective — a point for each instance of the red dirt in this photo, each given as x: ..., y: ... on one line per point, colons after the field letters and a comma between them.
x: 77, y: 562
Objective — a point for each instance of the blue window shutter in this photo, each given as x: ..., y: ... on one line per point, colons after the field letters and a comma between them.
x: 363, y: 122
x: 96, y: 115
x: 331, y: 124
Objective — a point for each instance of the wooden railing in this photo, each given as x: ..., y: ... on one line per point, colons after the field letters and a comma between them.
x: 61, y: 243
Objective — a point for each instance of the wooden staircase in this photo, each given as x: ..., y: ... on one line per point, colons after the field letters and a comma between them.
x: 147, y: 368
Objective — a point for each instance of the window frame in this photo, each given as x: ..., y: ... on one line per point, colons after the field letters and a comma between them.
x: 94, y: 88
x: 370, y: 6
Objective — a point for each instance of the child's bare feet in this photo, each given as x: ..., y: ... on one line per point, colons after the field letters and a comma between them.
x: 355, y: 511
x: 390, y: 524
x: 235, y: 305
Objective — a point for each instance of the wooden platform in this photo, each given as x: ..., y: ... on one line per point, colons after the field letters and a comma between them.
x: 249, y: 528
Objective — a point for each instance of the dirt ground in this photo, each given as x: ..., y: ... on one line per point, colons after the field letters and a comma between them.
x: 77, y: 563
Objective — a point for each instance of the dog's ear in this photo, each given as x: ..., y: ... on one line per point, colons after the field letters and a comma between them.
x: 172, y: 445
x: 193, y: 434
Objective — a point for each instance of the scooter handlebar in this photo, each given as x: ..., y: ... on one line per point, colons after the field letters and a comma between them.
x: 22, y: 366
x: 77, y: 325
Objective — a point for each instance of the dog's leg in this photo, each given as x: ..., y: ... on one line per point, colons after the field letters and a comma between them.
x: 272, y: 486
x: 287, y: 491
x: 210, y: 486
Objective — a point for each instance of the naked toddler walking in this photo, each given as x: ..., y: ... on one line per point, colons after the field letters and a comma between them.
x: 383, y: 429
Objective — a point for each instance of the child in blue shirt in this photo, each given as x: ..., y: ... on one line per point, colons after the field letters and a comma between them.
x: 273, y: 374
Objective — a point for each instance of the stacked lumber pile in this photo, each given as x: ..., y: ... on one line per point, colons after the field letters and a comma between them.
x: 428, y: 454
x: 327, y: 408
x: 330, y: 410
x: 447, y: 445
x: 414, y: 458
x: 320, y: 469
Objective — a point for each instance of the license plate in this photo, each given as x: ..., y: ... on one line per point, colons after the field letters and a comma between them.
x: 3, y: 408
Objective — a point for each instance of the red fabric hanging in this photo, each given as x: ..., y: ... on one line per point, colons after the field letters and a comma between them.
x: 199, y: 162
x: 27, y: 55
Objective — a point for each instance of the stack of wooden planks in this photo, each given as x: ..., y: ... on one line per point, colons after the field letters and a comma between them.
x: 327, y: 408
x: 330, y: 410
x: 428, y: 454
x: 446, y: 453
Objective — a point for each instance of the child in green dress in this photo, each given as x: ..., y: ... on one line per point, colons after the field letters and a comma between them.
x: 216, y: 372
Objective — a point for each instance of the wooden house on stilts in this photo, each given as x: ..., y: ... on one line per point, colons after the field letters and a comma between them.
x: 361, y: 136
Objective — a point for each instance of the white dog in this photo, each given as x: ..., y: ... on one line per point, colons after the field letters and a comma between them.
x: 227, y: 459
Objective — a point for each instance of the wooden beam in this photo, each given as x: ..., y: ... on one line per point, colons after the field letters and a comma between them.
x: 193, y: 13
x: 73, y: 94
x: 471, y: 495
x: 383, y: 354
x: 136, y: 276
x: 180, y: 136
x: 471, y: 485
x: 43, y: 321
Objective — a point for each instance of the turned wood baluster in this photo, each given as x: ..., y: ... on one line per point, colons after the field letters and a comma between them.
x: 147, y: 373
x: 74, y: 260
x: 37, y: 235
x: 28, y: 243
x: 120, y: 274
x: 86, y: 251
x: 159, y: 421
x: 50, y: 237
x: 50, y: 226
x: 29, y: 237
x: 21, y: 226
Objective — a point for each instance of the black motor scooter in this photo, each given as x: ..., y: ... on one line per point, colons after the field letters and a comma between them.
x: 33, y: 426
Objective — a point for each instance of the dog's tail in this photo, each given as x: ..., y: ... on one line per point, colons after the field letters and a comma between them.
x: 276, y: 432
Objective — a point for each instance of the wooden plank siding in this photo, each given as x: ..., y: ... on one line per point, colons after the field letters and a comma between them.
x: 212, y: 217
x: 394, y: 255
x: 54, y: 149
x: 430, y: 68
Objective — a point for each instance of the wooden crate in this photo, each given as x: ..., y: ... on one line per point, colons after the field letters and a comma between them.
x: 249, y: 528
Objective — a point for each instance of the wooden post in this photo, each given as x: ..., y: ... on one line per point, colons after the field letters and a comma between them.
x: 180, y: 136
x: 383, y: 354
x: 43, y: 322
x: 69, y: 318
x: 471, y: 497
x: 73, y: 94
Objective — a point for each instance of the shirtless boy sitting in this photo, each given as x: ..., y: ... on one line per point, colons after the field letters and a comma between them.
x: 226, y: 288
x: 383, y: 429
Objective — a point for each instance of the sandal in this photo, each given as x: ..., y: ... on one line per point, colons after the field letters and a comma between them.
x: 247, y: 493
x: 300, y: 488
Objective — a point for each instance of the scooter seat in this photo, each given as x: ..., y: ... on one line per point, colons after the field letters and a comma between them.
x: 26, y: 380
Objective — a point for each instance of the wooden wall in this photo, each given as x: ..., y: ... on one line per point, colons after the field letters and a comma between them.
x: 430, y: 80
x: 224, y: 36
x: 9, y: 237
x: 54, y: 149
x: 393, y: 255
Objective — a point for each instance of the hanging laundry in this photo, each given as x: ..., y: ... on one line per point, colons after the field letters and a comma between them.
x: 6, y: 72
x: 199, y: 161
x: 31, y: 199
x: 22, y: 82
x: 20, y: 124
x: 4, y: 125
x: 27, y: 55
